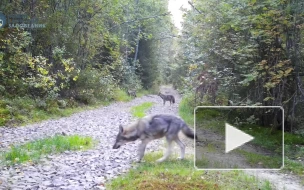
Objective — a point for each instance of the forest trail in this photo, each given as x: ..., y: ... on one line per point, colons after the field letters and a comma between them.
x: 80, y: 169
x: 92, y: 168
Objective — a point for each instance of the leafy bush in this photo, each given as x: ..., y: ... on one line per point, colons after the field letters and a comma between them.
x: 129, y: 78
x: 94, y: 84
x: 155, y: 87
x: 41, y: 104
x: 120, y: 95
x: 62, y: 103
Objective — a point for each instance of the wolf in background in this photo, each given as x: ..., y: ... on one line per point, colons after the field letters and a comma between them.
x: 165, y: 98
x: 154, y: 127
x: 131, y: 93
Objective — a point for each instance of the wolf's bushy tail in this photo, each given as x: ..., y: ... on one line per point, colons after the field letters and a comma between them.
x: 173, y: 99
x: 188, y: 132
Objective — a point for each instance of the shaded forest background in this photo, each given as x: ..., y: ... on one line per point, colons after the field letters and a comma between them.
x: 244, y: 52
x: 236, y: 52
x: 89, y: 51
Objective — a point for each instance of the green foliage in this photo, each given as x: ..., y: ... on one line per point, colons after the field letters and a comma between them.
x: 186, y: 109
x: 32, y: 151
x: 139, y: 111
x: 121, y: 96
x: 266, y: 161
x: 249, y: 47
x: 294, y: 166
x: 83, y: 57
x: 154, y: 89
x: 130, y: 79
x: 93, y: 85
x: 207, y: 113
x: 142, y: 92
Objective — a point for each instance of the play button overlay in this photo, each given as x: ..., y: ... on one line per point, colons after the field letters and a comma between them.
x: 235, y: 138
x: 239, y: 138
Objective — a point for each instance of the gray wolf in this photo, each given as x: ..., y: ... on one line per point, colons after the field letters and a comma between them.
x: 165, y: 98
x: 153, y: 127
x: 131, y: 93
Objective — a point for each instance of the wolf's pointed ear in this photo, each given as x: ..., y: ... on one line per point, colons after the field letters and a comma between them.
x: 120, y: 129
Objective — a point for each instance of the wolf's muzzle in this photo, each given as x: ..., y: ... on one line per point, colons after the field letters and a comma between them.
x: 116, y: 146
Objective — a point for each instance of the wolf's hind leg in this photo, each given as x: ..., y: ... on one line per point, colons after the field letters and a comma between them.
x: 141, y: 149
x: 168, y: 152
x: 182, y: 147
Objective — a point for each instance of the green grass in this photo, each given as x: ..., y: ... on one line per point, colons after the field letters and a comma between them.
x: 143, y: 92
x: 37, y: 115
x: 32, y: 151
x: 204, y: 162
x: 139, y: 111
x: 25, y: 110
x: 254, y: 159
x: 22, y: 111
x: 205, y: 114
x: 121, y: 96
x: 294, y: 166
x: 180, y: 175
x: 186, y: 110
x: 211, y: 147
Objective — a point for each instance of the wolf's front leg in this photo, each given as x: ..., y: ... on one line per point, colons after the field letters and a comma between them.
x: 141, y: 149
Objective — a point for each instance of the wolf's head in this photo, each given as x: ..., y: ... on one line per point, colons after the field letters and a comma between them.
x: 124, y: 136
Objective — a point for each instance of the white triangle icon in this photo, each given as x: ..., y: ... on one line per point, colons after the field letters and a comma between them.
x: 235, y: 138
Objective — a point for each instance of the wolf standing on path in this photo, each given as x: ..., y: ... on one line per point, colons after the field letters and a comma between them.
x: 154, y: 127
x: 165, y: 98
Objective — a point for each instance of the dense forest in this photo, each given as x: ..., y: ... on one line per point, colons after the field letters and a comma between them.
x: 247, y: 51
x: 88, y: 51
x: 243, y: 52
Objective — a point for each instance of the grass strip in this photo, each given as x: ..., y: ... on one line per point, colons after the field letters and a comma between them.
x: 139, y: 111
x: 32, y: 151
x: 179, y: 175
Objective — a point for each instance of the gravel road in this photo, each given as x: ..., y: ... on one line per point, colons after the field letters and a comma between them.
x: 79, y: 169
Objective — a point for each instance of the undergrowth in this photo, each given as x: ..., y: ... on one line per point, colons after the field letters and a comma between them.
x: 25, y: 110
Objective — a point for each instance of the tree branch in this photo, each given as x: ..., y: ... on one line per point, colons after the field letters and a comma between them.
x: 166, y: 37
x: 195, y: 8
x: 139, y: 19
